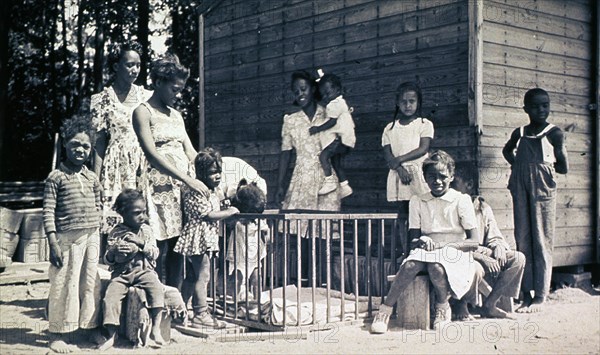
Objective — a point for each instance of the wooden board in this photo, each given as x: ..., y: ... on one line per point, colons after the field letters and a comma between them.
x: 18, y: 273
x: 529, y: 39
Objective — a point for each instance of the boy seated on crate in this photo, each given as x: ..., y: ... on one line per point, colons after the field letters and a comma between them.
x: 503, y: 267
x: 131, y: 254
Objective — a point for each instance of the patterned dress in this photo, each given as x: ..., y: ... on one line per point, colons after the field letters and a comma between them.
x: 199, y: 235
x: 123, y: 152
x: 163, y: 191
x: 303, y: 191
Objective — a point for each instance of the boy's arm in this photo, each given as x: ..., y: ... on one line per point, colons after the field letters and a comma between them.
x: 557, y: 139
x: 325, y: 126
x: 468, y: 220
x: 509, y: 147
x: 493, y: 238
x: 472, y: 241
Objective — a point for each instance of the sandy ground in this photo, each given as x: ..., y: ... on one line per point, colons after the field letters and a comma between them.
x: 570, y: 324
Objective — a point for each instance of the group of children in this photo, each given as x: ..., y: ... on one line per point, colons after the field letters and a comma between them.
x: 72, y: 205
x: 447, y: 227
x: 440, y: 219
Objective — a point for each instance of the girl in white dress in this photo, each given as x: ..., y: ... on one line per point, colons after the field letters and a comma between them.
x: 405, y: 143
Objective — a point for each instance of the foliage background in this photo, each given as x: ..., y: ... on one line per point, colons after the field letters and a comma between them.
x: 53, y: 59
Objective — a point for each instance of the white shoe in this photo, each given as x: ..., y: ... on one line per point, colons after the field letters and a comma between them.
x: 443, y: 317
x: 329, y: 185
x: 381, y: 320
x: 345, y: 189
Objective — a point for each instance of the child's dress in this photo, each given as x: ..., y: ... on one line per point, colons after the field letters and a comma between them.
x: 344, y: 127
x: 443, y: 219
x: 403, y: 139
x: 199, y: 235
x: 256, y: 245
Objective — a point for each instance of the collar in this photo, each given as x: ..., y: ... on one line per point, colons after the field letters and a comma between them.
x: 85, y: 172
x: 478, y: 202
x: 449, y: 196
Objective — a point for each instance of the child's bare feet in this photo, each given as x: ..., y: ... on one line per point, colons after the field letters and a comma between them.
x: 461, y: 312
x: 59, y: 346
x: 524, y: 308
x: 94, y: 335
x: 495, y: 312
x: 537, y: 305
x: 109, y: 340
x: 156, y: 337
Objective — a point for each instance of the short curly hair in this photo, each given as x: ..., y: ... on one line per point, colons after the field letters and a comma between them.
x: 249, y: 198
x: 332, y: 79
x: 168, y: 68
x: 206, y: 158
x: 116, y: 51
x: 531, y: 93
x: 126, y: 199
x: 439, y: 159
x: 77, y: 124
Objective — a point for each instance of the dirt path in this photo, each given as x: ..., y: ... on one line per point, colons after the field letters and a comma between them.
x: 570, y: 324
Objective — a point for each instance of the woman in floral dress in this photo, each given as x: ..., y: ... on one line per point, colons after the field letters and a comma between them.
x: 304, y: 186
x: 117, y: 150
x: 303, y: 190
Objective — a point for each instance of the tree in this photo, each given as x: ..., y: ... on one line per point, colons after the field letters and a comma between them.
x: 52, y: 60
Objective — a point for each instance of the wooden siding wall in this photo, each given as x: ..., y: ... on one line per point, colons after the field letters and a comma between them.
x: 253, y: 46
x: 547, y: 44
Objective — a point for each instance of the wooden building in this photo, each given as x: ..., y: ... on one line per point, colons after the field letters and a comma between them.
x: 474, y: 60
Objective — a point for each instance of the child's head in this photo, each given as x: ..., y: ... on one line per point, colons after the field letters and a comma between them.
x: 124, y: 60
x: 249, y: 198
x: 131, y: 205
x: 438, y: 171
x: 304, y: 88
x: 168, y: 77
x: 408, y: 99
x: 78, y: 135
x: 330, y: 87
x: 208, y: 164
x: 464, y: 178
x: 537, y: 105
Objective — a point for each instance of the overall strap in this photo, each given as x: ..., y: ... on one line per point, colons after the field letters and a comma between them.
x: 546, y: 130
